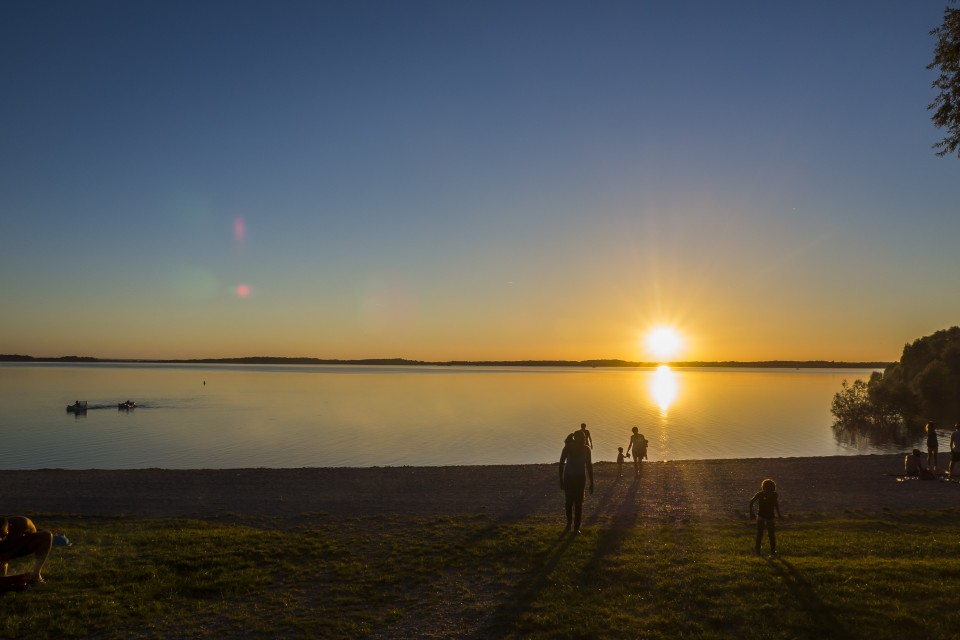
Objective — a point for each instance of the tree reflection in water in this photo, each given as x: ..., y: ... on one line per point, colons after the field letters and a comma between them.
x: 866, y: 436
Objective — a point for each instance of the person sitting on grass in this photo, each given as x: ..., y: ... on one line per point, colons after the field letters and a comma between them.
x: 19, y: 538
x: 913, y: 467
x: 768, y: 508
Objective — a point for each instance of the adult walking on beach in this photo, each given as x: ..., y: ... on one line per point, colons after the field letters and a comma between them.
x: 637, y: 448
x: 587, y: 440
x: 954, y: 448
x: 19, y: 538
x: 932, y: 446
x: 576, y: 466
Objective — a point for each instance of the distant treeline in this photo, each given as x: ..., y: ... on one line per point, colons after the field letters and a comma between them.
x: 764, y: 364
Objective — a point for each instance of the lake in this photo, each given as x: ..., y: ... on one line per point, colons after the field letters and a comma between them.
x: 229, y: 416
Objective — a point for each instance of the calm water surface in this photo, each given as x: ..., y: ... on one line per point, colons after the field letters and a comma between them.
x: 299, y: 416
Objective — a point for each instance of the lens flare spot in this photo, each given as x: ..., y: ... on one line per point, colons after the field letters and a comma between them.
x: 239, y: 229
x: 243, y: 290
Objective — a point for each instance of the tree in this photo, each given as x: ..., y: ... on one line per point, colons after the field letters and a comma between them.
x: 856, y: 406
x: 924, y: 385
x: 851, y: 405
x: 946, y: 106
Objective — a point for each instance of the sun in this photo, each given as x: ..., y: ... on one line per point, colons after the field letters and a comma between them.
x: 664, y: 342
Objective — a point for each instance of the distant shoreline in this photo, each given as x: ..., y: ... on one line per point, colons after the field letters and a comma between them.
x: 590, y: 364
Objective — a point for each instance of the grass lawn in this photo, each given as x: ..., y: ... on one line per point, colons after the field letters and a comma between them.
x: 318, y: 576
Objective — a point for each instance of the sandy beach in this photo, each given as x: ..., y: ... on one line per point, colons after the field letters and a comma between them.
x: 676, y: 490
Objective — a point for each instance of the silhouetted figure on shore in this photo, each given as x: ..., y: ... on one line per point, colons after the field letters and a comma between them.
x: 933, y: 446
x: 638, y: 448
x: 587, y: 440
x: 768, y: 508
x: 913, y: 466
x: 620, y: 462
x: 576, y: 466
x: 954, y: 448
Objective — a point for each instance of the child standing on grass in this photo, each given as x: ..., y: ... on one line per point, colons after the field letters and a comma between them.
x: 768, y: 507
x: 619, y: 462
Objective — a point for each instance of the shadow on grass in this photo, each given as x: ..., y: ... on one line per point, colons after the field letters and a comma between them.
x: 532, y: 499
x: 821, y: 614
x: 502, y: 622
x: 495, y: 529
x: 622, y: 510
x: 623, y: 517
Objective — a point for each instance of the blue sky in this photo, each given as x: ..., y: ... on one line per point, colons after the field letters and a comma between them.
x: 483, y: 180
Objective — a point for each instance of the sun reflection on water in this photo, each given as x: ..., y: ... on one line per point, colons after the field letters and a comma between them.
x: 664, y: 388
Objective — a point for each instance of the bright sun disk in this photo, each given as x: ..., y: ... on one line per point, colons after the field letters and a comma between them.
x: 664, y: 342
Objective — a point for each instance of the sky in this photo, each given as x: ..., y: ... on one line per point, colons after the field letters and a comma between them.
x: 444, y: 180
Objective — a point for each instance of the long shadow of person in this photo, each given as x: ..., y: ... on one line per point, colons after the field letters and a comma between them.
x: 825, y: 623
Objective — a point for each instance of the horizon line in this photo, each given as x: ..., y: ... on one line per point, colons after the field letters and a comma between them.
x: 593, y: 362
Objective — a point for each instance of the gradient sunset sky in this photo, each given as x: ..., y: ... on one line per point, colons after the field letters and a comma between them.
x: 472, y: 180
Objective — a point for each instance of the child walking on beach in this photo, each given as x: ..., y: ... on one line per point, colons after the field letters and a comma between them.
x: 768, y: 507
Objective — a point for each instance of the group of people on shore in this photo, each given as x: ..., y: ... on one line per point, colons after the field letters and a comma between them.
x: 913, y: 462
x: 576, y: 468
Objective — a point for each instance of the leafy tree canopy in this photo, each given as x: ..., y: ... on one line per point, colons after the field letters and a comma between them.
x: 946, y: 57
x: 923, y: 386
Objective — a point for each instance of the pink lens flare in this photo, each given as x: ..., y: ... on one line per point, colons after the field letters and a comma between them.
x: 239, y: 229
x: 243, y: 290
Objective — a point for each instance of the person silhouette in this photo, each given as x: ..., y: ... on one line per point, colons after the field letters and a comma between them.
x: 19, y: 538
x: 767, y: 510
x: 954, y: 448
x: 587, y: 440
x: 575, y: 467
x: 638, y: 446
x: 913, y: 464
x: 933, y: 446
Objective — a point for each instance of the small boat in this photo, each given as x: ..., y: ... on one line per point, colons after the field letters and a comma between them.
x: 126, y: 406
x: 77, y: 407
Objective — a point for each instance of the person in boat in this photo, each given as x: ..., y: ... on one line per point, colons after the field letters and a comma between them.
x: 19, y: 538
x: 77, y: 407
